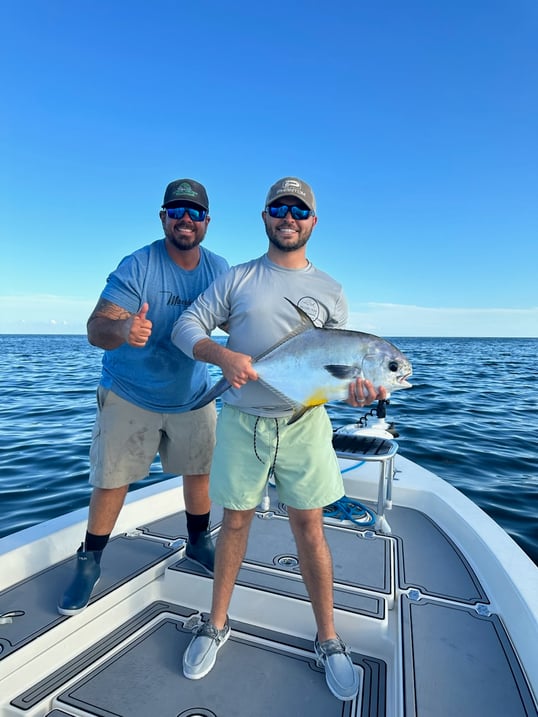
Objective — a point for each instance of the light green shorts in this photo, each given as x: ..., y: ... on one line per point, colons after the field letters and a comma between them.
x: 306, y: 470
x: 126, y: 440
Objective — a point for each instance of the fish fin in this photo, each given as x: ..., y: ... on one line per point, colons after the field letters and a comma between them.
x: 286, y: 399
x: 299, y: 413
x: 213, y: 393
x: 343, y: 371
x: 299, y: 409
x: 306, y: 323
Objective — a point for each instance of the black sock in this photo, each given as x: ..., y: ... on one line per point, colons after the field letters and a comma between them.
x: 95, y: 542
x: 196, y: 524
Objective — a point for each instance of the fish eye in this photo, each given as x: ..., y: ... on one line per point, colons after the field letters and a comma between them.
x: 393, y: 365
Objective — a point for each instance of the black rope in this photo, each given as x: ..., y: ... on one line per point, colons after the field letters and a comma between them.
x: 273, y: 464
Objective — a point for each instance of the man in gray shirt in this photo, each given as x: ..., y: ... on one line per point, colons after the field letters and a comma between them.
x: 254, y: 438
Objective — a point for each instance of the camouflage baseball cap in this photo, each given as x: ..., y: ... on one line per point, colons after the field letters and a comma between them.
x: 186, y: 190
x: 292, y: 187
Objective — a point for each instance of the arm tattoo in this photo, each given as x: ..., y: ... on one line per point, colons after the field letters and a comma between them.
x: 107, y: 310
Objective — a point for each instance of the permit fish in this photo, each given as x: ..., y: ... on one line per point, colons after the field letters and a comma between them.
x: 311, y: 366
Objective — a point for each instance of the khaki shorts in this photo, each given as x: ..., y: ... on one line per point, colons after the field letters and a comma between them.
x: 306, y: 470
x: 126, y: 440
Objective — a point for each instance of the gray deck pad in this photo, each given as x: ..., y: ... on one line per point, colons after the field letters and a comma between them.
x: 250, y: 678
x: 33, y: 601
x: 458, y: 662
x: 71, y: 668
x: 358, y: 562
x: 429, y: 560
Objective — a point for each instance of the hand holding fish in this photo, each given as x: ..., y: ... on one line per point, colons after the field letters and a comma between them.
x: 139, y: 328
x: 362, y: 393
x: 237, y: 368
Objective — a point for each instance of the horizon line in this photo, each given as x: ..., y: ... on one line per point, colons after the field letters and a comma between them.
x: 397, y: 336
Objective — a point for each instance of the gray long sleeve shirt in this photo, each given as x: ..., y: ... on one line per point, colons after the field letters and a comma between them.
x: 251, y: 300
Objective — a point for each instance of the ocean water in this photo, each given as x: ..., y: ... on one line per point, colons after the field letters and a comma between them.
x: 471, y: 417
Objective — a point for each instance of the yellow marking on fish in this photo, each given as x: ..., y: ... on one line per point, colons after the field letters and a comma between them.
x: 317, y: 398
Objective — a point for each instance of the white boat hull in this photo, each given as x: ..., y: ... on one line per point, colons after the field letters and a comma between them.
x: 405, y: 601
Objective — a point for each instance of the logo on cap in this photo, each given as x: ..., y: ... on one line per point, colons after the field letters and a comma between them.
x: 291, y: 185
x: 185, y: 189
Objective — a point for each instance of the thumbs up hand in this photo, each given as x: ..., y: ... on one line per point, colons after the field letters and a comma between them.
x: 140, y: 328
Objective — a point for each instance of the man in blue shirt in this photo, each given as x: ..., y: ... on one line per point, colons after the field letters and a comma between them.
x: 148, y: 386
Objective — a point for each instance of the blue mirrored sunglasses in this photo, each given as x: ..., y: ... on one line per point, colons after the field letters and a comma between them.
x: 296, y: 212
x: 197, y: 215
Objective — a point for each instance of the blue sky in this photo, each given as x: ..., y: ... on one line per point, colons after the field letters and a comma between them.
x: 416, y: 124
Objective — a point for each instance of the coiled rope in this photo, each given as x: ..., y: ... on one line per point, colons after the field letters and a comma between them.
x: 352, y: 510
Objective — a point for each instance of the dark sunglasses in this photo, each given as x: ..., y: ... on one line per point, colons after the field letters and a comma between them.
x: 197, y: 215
x: 296, y: 212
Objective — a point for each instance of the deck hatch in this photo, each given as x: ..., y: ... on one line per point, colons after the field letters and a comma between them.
x: 429, y: 560
x: 457, y: 662
x: 357, y: 563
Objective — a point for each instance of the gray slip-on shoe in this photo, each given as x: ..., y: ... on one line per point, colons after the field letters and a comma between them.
x: 199, y: 657
x: 340, y: 674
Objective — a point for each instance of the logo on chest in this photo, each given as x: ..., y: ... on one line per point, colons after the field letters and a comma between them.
x: 172, y: 299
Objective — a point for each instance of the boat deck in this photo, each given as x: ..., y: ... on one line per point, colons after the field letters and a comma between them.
x: 414, y: 613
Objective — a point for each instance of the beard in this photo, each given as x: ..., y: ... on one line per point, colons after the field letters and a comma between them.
x: 287, y: 245
x: 184, y: 242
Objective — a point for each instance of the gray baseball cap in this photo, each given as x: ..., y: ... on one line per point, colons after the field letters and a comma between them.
x: 292, y: 187
x: 186, y: 190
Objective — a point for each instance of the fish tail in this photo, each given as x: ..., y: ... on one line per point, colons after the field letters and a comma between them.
x: 213, y: 393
